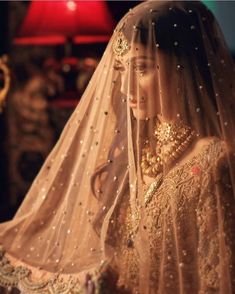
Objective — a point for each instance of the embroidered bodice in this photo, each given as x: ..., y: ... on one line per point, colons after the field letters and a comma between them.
x: 188, y: 222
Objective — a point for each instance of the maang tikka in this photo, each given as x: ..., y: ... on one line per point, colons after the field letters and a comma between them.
x: 120, y: 45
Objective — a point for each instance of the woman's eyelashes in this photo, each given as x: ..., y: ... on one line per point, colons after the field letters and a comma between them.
x: 136, y: 67
x: 119, y: 68
x: 140, y: 68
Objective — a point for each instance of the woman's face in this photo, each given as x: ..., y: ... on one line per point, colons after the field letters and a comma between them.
x: 139, y: 82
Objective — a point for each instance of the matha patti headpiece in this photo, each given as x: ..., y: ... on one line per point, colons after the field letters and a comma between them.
x: 120, y: 45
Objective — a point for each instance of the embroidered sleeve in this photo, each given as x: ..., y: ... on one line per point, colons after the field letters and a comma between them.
x: 216, y: 229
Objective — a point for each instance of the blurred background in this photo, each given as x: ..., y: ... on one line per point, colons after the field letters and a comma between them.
x: 52, y: 49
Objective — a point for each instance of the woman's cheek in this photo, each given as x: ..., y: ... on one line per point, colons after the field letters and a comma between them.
x: 148, y: 85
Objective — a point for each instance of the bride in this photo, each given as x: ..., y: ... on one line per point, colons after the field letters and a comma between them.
x: 138, y: 194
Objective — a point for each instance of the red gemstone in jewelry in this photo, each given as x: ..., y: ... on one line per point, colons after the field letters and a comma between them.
x: 196, y: 170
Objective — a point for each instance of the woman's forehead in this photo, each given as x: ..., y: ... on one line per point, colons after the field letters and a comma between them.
x: 136, y: 52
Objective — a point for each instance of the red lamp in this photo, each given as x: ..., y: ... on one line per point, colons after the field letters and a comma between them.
x: 56, y: 22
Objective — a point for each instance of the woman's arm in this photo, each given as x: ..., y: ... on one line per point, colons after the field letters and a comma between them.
x: 216, y: 230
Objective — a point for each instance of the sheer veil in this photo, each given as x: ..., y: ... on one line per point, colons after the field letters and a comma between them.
x: 168, y: 55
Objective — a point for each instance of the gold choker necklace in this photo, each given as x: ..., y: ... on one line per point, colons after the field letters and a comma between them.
x: 172, y: 139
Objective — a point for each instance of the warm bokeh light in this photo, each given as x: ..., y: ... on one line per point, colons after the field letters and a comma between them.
x: 71, y: 5
x: 54, y: 22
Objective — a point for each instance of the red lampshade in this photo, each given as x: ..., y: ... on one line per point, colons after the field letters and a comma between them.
x: 54, y: 22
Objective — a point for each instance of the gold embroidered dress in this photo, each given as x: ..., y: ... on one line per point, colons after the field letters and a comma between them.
x: 191, y: 241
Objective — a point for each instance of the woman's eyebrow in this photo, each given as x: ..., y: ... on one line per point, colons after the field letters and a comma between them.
x: 134, y: 58
x: 117, y: 62
x: 139, y: 57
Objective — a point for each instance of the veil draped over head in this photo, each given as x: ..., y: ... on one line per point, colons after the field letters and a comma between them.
x: 166, y: 65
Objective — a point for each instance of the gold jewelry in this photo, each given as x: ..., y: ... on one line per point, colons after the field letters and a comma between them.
x: 153, y: 188
x: 7, y: 80
x: 172, y: 139
x: 120, y: 45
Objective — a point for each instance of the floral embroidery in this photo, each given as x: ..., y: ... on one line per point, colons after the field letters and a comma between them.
x: 178, y: 210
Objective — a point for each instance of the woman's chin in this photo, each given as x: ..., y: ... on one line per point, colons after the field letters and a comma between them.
x: 141, y: 114
x: 138, y: 114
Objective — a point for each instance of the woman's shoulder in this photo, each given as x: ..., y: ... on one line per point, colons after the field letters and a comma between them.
x: 208, y: 156
x: 213, y: 146
x: 206, y: 151
x: 212, y: 142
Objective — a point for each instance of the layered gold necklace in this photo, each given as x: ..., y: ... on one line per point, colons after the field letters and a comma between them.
x: 172, y: 139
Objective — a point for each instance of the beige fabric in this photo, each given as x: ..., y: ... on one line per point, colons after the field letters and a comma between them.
x: 190, y: 227
x: 170, y: 64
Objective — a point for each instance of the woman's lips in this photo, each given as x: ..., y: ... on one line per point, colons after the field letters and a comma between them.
x: 133, y: 100
x: 133, y: 106
x: 133, y: 103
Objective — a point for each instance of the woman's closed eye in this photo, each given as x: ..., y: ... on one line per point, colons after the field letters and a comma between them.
x: 140, y: 68
x: 118, y: 66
